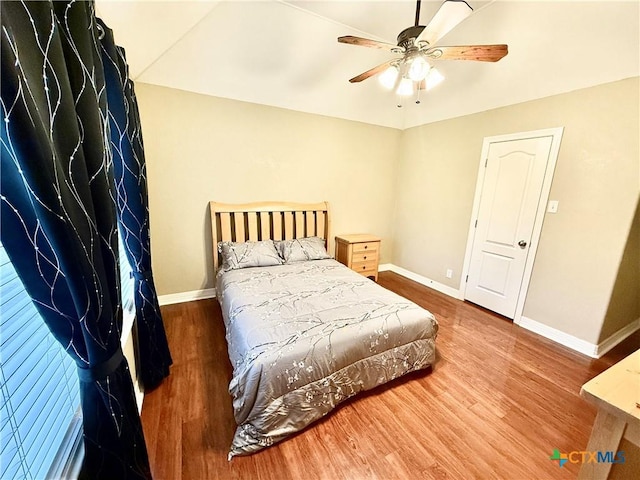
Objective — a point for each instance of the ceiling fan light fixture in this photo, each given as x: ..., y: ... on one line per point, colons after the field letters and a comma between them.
x: 418, y: 46
x: 419, y: 69
x: 405, y: 88
x: 388, y: 78
x: 433, y: 79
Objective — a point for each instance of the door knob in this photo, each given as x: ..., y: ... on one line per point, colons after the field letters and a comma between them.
x: 522, y: 244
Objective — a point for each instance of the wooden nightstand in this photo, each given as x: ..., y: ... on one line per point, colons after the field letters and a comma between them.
x: 359, y: 252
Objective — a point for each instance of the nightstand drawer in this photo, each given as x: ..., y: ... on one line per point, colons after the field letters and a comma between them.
x: 364, y: 256
x: 365, y: 247
x: 368, y: 266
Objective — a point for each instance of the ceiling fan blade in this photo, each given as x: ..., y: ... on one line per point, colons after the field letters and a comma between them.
x: 480, y: 53
x: 365, y: 42
x: 450, y: 14
x: 369, y: 73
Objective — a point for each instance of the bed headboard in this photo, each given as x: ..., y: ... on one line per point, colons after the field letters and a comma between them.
x: 267, y: 220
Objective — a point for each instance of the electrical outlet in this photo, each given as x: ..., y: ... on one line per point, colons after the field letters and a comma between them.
x: 449, y: 273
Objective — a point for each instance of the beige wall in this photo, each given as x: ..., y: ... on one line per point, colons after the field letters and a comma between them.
x: 202, y: 148
x: 596, y: 182
x: 414, y: 188
x: 624, y: 305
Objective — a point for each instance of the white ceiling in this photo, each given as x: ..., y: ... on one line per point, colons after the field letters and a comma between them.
x: 285, y: 53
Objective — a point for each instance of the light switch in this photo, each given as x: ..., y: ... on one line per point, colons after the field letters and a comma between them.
x: 552, y: 207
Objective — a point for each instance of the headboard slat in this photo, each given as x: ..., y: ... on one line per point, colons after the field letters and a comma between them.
x: 277, y: 225
x: 265, y: 225
x: 252, y: 223
x: 238, y: 219
x: 311, y: 224
x: 225, y: 224
x: 288, y: 226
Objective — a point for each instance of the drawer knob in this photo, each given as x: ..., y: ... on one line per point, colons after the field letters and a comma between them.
x: 366, y: 246
x: 365, y: 257
x: 364, y: 268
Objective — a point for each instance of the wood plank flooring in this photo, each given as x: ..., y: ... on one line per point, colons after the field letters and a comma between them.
x: 497, y: 402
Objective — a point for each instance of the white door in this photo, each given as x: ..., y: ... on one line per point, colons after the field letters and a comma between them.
x: 509, y: 203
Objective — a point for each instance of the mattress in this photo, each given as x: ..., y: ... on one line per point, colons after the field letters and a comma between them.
x: 304, y: 337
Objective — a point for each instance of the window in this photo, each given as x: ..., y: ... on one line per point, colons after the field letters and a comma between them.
x: 126, y: 289
x: 40, y: 415
x: 40, y: 396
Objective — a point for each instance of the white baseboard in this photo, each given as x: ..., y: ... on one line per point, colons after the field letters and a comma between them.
x: 181, y: 297
x: 610, y: 342
x: 427, y: 282
x: 591, y: 349
x: 558, y: 336
x: 186, y: 296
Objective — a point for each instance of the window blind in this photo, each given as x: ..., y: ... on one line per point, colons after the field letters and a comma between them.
x: 38, y: 384
x: 38, y: 381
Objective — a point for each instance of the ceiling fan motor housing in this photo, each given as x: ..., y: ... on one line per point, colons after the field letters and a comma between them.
x: 407, y: 37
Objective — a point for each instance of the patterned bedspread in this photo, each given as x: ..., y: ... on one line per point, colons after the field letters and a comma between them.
x: 304, y: 337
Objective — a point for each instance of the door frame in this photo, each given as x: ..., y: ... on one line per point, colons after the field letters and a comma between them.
x: 556, y: 134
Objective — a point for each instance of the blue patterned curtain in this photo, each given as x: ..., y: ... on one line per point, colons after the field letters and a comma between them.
x: 133, y: 209
x: 58, y: 213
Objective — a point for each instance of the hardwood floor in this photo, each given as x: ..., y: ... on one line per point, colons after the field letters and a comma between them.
x: 497, y: 402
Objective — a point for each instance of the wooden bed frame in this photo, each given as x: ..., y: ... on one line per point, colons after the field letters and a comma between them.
x: 267, y: 220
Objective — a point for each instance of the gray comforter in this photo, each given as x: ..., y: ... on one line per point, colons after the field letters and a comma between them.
x: 304, y: 337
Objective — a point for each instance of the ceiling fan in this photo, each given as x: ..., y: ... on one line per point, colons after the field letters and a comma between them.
x: 412, y: 71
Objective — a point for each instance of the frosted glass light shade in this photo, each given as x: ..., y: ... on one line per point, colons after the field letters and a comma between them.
x: 434, y: 78
x: 419, y: 69
x: 388, y: 78
x: 405, y: 88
